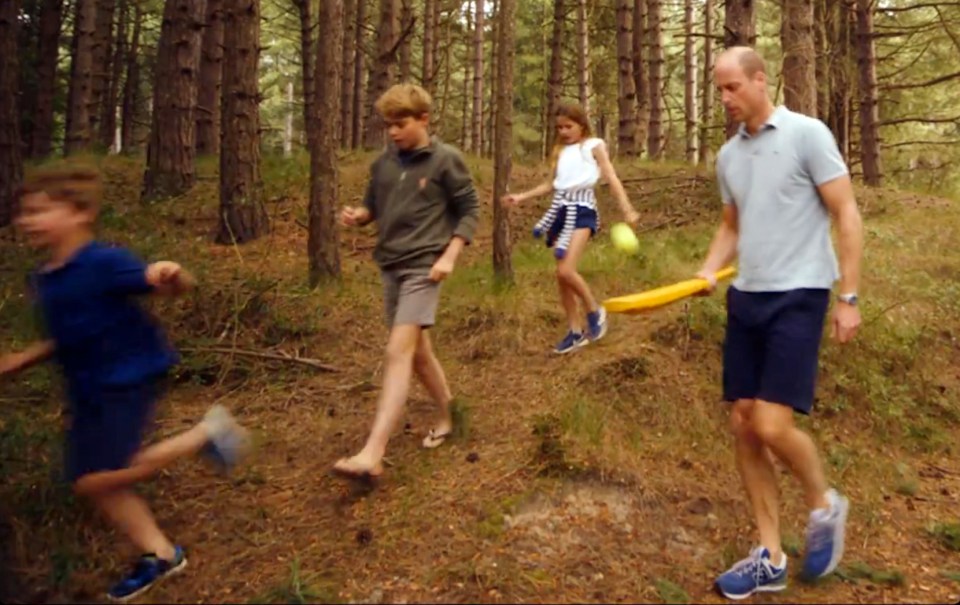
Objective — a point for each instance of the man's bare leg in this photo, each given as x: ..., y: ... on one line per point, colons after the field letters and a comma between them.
x: 758, y: 475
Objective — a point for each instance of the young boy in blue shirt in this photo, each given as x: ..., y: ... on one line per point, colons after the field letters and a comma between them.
x: 113, y: 358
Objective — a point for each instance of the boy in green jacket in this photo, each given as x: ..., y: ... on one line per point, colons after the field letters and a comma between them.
x: 422, y: 197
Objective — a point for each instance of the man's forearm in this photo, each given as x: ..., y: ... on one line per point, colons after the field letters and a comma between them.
x: 723, y: 249
x: 850, y: 228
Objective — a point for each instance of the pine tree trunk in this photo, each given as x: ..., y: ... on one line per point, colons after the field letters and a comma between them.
x: 384, y: 70
x: 81, y: 78
x: 822, y: 50
x: 841, y: 67
x: 307, y: 70
x: 429, y: 33
x: 348, y: 60
x: 323, y: 238
x: 739, y: 29
x: 11, y: 160
x: 690, y: 84
x: 555, y: 79
x: 406, y: 19
x: 108, y: 114
x: 467, y: 113
x: 288, y: 133
x: 243, y: 216
x: 503, y: 146
x: 211, y: 80
x: 626, y: 89
x: 131, y: 87
x: 171, y: 153
x: 869, y: 103
x: 102, y: 54
x: 48, y: 48
x: 655, y: 135
x: 641, y: 83
x: 706, y: 105
x: 799, y: 56
x: 476, y: 135
x: 583, y: 56
x: 358, y: 71
x: 489, y: 126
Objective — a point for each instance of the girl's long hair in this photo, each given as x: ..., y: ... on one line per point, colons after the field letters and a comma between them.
x: 576, y: 114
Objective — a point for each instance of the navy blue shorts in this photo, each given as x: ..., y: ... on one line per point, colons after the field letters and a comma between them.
x: 772, y: 346
x: 107, y: 428
x: 586, y: 219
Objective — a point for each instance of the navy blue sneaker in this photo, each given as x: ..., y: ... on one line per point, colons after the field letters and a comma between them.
x: 148, y: 571
x: 573, y: 340
x: 229, y: 442
x: 597, y: 324
x: 756, y: 573
x: 825, y: 532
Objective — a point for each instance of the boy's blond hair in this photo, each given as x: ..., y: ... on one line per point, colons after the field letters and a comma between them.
x: 81, y: 186
x: 404, y: 101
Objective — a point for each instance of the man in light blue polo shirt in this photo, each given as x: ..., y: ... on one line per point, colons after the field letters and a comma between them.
x: 781, y: 178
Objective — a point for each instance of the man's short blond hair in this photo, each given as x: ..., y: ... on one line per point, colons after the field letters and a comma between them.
x: 75, y: 184
x: 404, y: 101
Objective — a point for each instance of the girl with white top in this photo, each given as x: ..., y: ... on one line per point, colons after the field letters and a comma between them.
x: 579, y: 161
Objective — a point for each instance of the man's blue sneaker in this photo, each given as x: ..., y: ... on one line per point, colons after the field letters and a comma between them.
x: 597, y: 324
x: 825, y: 537
x: 756, y: 573
x: 573, y: 340
x: 229, y: 442
x: 148, y: 571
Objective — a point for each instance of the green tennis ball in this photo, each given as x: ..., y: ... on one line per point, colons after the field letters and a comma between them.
x: 624, y: 239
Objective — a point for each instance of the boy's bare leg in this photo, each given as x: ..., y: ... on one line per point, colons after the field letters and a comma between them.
x: 401, y: 348
x: 129, y: 513
x: 431, y: 375
x: 758, y: 475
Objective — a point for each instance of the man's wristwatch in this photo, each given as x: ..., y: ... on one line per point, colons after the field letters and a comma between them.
x: 850, y: 299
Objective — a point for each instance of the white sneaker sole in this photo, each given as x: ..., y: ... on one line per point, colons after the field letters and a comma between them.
x: 174, y: 571
x: 739, y: 597
x: 844, y: 506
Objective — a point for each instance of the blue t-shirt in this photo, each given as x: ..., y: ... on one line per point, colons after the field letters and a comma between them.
x: 103, y: 338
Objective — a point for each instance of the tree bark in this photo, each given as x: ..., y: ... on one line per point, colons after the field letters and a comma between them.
x: 641, y: 83
x: 869, y: 103
x: 739, y: 29
x: 799, y: 56
x: 466, y: 130
x: 840, y: 19
x: 48, y: 47
x: 108, y: 115
x: 102, y: 55
x: 583, y: 56
x: 384, y: 70
x: 242, y: 214
x: 429, y: 33
x: 626, y: 89
x: 358, y: 72
x: 489, y: 127
x: 406, y: 21
x: 322, y: 239
x: 81, y: 78
x: 211, y: 81
x: 307, y: 69
x: 822, y: 51
x: 706, y: 106
x: 347, y: 69
x: 131, y: 87
x: 655, y: 135
x: 690, y: 84
x: 171, y: 153
x: 555, y: 79
x: 11, y: 159
x: 503, y: 146
x: 476, y: 135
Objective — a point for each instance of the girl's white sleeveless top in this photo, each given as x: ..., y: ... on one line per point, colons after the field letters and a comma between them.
x: 576, y: 166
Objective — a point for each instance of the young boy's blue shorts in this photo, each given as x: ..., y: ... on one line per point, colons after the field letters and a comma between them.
x: 772, y: 346
x: 108, y: 427
x: 586, y: 219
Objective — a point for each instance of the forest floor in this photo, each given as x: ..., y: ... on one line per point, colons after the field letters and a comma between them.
x: 607, y: 475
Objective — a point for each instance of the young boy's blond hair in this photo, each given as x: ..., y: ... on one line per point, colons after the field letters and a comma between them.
x: 80, y: 186
x: 404, y: 101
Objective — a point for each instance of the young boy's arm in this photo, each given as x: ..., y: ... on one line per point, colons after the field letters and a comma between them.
x: 169, y: 278
x: 464, y: 205
x: 34, y: 354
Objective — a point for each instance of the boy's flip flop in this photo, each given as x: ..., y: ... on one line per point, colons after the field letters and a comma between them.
x: 435, y: 439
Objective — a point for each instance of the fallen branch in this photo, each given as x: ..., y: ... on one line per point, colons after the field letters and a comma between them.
x: 313, y: 363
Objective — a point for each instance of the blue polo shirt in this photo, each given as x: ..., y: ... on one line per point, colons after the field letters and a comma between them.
x: 103, y: 338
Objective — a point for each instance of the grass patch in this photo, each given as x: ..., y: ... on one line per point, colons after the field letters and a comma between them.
x: 947, y: 534
x: 861, y: 571
x: 953, y: 576
x: 299, y: 588
x: 670, y: 592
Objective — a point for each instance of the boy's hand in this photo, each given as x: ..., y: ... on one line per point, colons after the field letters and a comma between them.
x: 352, y: 216
x: 441, y: 269
x: 11, y: 362
x: 163, y: 273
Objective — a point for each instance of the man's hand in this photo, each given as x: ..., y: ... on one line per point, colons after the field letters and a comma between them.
x: 846, y: 320
x: 442, y: 268
x: 711, y: 278
x: 352, y: 216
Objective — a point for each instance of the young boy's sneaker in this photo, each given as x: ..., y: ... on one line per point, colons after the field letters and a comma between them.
x: 825, y: 532
x: 573, y: 340
x: 229, y: 442
x: 756, y: 573
x: 597, y: 324
x: 148, y: 571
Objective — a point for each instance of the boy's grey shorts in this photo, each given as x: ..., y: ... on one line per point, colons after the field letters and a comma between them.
x: 410, y: 297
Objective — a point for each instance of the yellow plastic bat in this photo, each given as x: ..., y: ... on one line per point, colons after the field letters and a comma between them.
x: 658, y: 297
